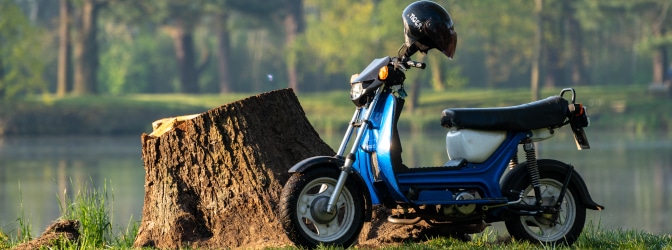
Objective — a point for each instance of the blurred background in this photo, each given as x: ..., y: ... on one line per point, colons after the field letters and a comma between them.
x: 78, y: 47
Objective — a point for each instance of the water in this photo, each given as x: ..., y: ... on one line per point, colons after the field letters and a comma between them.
x: 36, y: 172
x: 631, y: 175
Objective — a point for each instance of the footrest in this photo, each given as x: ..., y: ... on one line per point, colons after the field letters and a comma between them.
x: 449, y: 165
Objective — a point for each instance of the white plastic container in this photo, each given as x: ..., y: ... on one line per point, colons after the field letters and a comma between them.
x: 475, y: 146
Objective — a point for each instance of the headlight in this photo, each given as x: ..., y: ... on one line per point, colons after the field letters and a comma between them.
x: 356, y: 90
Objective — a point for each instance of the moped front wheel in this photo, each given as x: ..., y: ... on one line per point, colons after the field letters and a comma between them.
x: 560, y: 227
x: 303, y: 209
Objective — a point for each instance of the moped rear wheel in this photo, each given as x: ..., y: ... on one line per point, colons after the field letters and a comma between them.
x: 562, y: 227
x: 303, y: 209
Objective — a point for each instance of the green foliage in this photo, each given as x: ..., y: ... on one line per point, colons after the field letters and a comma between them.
x: 495, y: 45
x: 21, y: 57
x: 337, y: 34
x: 136, y: 62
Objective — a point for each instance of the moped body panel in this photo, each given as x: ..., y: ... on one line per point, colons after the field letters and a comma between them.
x: 374, y: 162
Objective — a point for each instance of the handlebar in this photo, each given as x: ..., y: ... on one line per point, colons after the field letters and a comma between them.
x: 415, y: 64
x: 405, y: 63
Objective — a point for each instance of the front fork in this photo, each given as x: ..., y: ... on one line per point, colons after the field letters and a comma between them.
x: 345, y: 171
x: 363, y: 125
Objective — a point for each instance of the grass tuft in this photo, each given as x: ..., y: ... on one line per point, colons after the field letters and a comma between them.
x: 90, y: 207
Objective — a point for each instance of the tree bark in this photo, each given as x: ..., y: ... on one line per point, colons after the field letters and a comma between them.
x: 576, y: 50
x: 659, y: 57
x: 535, y: 92
x: 86, y: 50
x: 293, y: 26
x: 185, y: 51
x: 223, y: 52
x: 63, y: 74
x: 213, y: 180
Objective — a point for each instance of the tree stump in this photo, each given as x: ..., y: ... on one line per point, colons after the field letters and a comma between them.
x: 213, y: 180
x: 58, y: 233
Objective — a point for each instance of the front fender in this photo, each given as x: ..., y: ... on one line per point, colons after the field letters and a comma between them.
x: 335, y: 162
x: 559, y: 168
x: 315, y: 161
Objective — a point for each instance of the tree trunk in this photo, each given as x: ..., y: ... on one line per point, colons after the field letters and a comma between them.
x: 213, y: 180
x: 2, y: 75
x: 436, y: 70
x: 576, y: 46
x: 86, y: 50
x: 185, y: 51
x: 293, y: 26
x: 223, y: 51
x: 536, y: 57
x: 659, y: 58
x: 63, y: 74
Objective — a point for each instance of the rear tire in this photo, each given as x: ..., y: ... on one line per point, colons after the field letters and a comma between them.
x: 564, y: 230
x: 303, y: 219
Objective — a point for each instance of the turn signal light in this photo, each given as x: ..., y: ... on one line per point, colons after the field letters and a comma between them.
x: 382, y: 73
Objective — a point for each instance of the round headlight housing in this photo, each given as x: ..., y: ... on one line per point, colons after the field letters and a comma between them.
x: 359, y: 92
x: 356, y: 90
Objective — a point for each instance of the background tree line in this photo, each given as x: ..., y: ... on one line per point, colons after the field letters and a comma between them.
x: 88, y: 47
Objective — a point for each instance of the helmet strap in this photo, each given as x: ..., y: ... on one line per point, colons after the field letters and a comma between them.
x: 407, y: 52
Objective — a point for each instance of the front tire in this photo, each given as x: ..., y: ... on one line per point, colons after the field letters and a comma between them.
x: 304, y: 198
x: 561, y: 228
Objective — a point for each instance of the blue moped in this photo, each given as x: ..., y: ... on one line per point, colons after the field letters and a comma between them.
x: 328, y: 198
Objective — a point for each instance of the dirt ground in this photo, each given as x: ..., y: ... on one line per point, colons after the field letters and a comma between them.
x: 378, y: 233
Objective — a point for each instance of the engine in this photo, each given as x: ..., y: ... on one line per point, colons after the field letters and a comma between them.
x: 462, y: 210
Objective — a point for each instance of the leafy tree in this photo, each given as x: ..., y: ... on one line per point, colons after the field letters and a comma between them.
x: 64, y: 49
x: 21, y: 63
x: 294, y: 25
x: 85, y: 48
x: 635, y: 29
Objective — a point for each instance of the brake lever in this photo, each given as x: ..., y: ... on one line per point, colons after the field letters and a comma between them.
x: 398, y: 63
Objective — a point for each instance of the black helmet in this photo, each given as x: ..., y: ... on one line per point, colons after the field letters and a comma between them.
x: 427, y: 25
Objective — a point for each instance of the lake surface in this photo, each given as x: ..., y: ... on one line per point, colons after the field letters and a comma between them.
x: 630, y: 174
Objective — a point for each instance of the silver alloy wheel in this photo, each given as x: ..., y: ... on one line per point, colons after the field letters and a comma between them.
x: 543, y: 229
x: 311, y: 206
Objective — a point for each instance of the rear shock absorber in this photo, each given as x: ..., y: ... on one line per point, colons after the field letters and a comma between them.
x: 514, y: 160
x: 533, y: 169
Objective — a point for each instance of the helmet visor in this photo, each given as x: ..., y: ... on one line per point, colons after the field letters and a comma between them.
x: 449, y: 44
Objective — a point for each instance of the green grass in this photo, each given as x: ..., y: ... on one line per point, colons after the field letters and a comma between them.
x: 593, y: 237
x: 92, y: 208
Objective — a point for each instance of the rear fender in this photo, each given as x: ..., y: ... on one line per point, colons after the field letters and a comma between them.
x: 334, y: 162
x: 549, y: 166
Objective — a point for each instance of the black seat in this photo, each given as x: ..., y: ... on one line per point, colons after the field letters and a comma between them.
x: 549, y: 112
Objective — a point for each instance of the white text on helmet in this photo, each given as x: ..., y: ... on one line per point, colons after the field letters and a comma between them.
x: 415, y: 20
